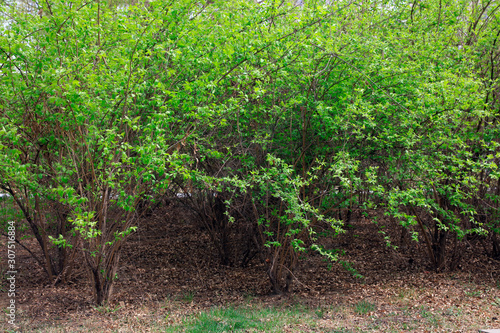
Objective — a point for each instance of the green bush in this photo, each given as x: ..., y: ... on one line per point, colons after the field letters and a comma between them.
x: 299, y: 116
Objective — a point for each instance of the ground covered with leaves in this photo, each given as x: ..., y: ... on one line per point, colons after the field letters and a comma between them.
x: 170, y: 280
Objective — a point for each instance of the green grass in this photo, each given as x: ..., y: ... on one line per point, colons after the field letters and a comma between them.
x: 473, y: 293
x: 320, y: 313
x: 407, y: 293
x: 364, y: 307
x: 188, y: 297
x: 431, y: 318
x: 107, y: 309
x: 233, y: 319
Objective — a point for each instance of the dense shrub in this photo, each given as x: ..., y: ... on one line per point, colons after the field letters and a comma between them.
x: 281, y: 119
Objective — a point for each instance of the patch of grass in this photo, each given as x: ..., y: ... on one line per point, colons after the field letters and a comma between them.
x: 107, y: 309
x: 406, y: 293
x: 424, y: 312
x: 364, y: 307
x: 473, y: 293
x: 407, y: 326
x: 320, y: 313
x: 429, y: 316
x: 496, y: 302
x: 188, y: 297
x: 243, y: 319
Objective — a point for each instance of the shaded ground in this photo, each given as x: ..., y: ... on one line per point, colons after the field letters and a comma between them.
x: 169, y: 273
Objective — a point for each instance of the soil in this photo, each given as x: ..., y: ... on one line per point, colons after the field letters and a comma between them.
x: 169, y: 264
